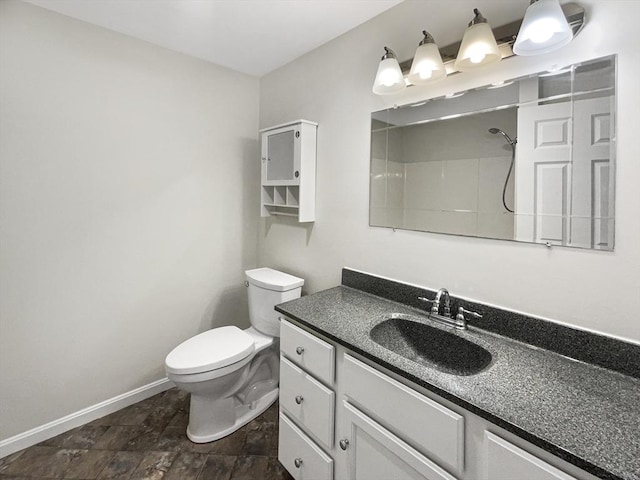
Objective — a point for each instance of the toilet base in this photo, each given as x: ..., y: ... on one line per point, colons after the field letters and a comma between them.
x: 216, y: 428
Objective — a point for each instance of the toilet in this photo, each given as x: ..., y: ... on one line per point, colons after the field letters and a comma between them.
x: 232, y: 374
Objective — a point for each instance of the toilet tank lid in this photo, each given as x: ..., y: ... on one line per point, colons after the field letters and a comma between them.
x: 210, y: 350
x: 273, y: 279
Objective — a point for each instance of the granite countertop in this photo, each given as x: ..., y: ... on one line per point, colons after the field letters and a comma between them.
x: 585, y: 414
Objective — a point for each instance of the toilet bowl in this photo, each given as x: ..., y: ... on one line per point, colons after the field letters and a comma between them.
x: 232, y: 374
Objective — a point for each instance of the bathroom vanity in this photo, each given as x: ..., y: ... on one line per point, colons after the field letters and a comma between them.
x: 351, y: 408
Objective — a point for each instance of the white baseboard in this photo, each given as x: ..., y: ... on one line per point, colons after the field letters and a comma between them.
x: 64, y: 424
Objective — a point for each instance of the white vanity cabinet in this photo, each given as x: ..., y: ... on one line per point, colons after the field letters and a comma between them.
x: 288, y: 159
x: 357, y: 421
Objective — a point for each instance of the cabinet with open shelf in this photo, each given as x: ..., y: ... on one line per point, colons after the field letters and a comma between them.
x: 288, y: 170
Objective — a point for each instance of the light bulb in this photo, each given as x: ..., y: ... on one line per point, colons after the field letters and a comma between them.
x: 425, y: 72
x: 427, y: 66
x: 476, y: 56
x: 388, y: 77
x: 543, y: 30
x: 478, y: 47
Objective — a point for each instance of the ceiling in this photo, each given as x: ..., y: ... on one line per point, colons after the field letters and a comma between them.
x: 249, y: 36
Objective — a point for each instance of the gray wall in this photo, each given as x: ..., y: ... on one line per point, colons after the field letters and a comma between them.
x: 128, y: 209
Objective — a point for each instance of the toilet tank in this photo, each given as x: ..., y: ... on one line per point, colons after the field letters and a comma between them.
x: 267, y: 288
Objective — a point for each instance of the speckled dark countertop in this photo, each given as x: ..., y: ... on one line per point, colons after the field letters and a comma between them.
x: 585, y: 414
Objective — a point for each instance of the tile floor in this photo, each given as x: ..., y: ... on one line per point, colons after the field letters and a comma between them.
x: 147, y: 441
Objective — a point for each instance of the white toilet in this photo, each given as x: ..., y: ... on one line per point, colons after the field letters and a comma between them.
x: 232, y: 374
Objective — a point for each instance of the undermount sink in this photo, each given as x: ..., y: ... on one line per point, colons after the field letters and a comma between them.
x: 430, y: 346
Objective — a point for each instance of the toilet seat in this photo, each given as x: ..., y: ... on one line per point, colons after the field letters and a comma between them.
x: 211, y: 350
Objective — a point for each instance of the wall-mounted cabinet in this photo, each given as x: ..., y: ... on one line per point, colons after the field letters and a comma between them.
x: 288, y: 184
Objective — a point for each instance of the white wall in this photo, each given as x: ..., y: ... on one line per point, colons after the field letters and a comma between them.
x: 332, y: 85
x: 128, y: 209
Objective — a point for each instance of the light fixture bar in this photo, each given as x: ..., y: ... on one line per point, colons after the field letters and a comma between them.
x: 505, y: 36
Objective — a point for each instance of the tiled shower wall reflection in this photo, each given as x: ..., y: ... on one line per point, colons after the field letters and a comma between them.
x: 430, y: 177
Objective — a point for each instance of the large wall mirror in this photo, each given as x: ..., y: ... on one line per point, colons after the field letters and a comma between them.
x: 530, y: 159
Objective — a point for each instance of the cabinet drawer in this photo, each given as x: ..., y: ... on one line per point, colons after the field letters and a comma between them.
x: 505, y: 461
x: 424, y: 423
x: 307, y: 351
x: 293, y: 444
x: 307, y: 400
x: 377, y: 454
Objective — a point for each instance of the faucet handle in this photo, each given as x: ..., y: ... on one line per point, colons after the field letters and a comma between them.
x: 461, y: 311
x: 434, y: 303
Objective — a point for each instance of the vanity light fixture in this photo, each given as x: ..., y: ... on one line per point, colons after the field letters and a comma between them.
x: 427, y: 66
x: 389, y: 78
x: 544, y: 29
x: 479, y: 46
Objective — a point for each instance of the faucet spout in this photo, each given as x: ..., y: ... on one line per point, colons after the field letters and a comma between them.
x: 442, y: 295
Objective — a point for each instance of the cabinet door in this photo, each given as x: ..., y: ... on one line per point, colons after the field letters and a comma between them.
x: 505, y: 461
x: 281, y: 156
x: 374, y: 453
x: 434, y: 429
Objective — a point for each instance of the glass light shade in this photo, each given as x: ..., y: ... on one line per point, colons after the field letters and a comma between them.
x: 544, y: 29
x: 389, y: 78
x: 427, y: 66
x: 478, y: 48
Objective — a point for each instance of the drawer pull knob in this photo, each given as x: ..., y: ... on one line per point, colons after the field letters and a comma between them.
x: 299, y: 399
x: 299, y: 350
x: 297, y: 462
x: 344, y: 443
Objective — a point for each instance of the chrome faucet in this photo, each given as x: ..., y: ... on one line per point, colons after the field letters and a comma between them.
x: 435, y: 308
x: 442, y: 296
x: 435, y: 304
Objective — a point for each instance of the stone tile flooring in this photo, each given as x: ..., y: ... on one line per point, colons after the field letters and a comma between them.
x: 147, y: 441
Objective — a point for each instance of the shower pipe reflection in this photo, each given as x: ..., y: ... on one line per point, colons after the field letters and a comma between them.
x: 512, y: 143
